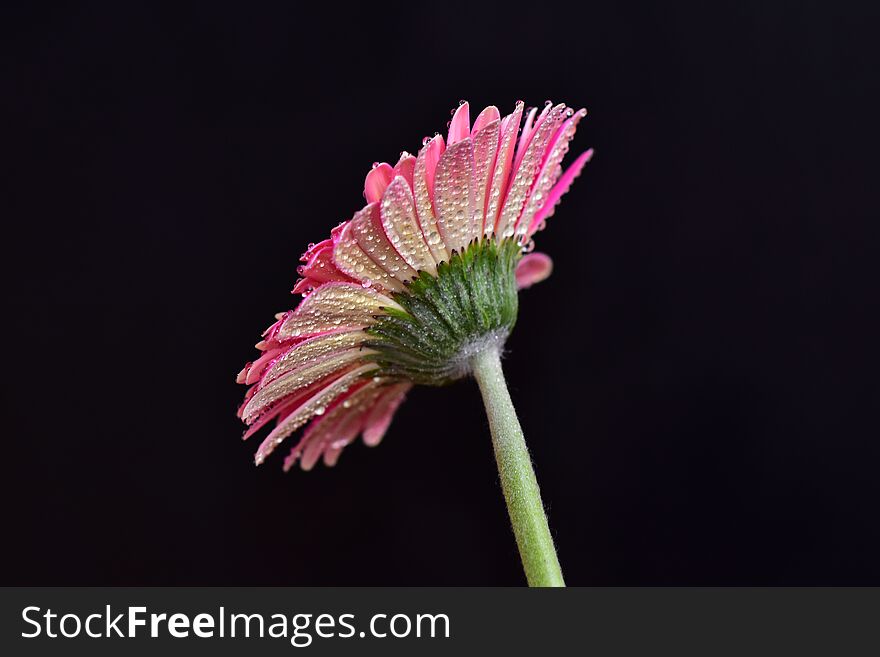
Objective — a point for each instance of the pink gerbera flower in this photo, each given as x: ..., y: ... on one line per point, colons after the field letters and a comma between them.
x: 415, y: 286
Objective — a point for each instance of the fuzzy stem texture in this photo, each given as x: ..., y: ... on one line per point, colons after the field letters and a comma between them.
x: 517, y: 476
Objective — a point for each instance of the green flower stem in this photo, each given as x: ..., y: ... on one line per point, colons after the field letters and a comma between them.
x: 517, y: 476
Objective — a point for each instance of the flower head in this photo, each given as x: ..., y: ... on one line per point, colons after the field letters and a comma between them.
x: 416, y: 282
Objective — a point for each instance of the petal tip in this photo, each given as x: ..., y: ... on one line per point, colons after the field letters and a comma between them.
x: 377, y: 180
x: 533, y: 268
x: 460, y: 126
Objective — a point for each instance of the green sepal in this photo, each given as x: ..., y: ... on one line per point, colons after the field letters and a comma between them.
x: 470, y: 303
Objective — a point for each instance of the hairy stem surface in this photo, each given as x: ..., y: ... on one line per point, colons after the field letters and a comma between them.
x: 517, y: 476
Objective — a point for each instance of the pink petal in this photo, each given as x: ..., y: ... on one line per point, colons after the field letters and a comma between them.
x: 376, y: 182
x: 533, y: 268
x: 286, y: 405
x: 370, y: 235
x: 530, y: 131
x: 398, y: 214
x: 454, y: 195
x: 487, y: 116
x: 320, y: 268
x: 310, y: 351
x: 503, y: 163
x: 281, y: 409
x: 259, y: 365
x: 525, y: 136
x: 525, y: 173
x: 485, y: 152
x: 310, y: 408
x: 329, y: 433
x: 331, y: 454
x: 549, y: 172
x: 334, y: 306
x: 433, y: 152
x: 305, y: 257
x: 560, y: 189
x: 380, y: 417
x: 336, y: 421
x: 423, y: 192
x: 247, y: 397
x: 270, y: 333
x: 405, y: 167
x: 460, y: 126
x: 345, y: 431
x: 293, y: 382
x: 350, y: 257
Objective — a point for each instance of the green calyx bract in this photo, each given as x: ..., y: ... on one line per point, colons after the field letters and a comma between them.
x: 469, y: 305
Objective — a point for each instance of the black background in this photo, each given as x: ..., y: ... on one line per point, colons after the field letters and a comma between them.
x: 697, y: 380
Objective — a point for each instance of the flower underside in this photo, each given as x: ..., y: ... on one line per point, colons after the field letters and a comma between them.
x: 414, y: 284
x: 443, y: 320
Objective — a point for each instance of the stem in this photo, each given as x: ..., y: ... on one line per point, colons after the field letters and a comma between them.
x: 517, y: 476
